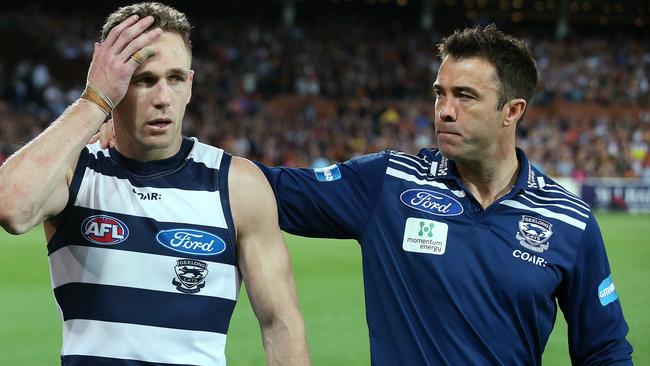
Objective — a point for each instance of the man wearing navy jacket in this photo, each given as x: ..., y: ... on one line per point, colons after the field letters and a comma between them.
x: 466, y: 247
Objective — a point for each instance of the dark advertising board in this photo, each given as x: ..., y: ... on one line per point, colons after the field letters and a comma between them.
x: 617, y: 194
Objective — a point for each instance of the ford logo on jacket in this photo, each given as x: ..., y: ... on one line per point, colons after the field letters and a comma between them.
x: 432, y: 202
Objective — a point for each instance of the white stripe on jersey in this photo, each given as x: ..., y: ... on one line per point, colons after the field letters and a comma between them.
x: 410, y: 159
x: 407, y: 177
x: 410, y: 167
x: 434, y: 168
x: 206, y: 154
x: 95, y: 149
x: 111, y: 267
x: 141, y: 342
x: 555, y: 205
x: 554, y: 199
x: 201, y: 153
x: 546, y: 213
x: 112, y: 194
x: 555, y: 188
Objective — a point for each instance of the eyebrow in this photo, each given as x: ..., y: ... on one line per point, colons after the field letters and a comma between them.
x: 459, y: 89
x: 174, y: 71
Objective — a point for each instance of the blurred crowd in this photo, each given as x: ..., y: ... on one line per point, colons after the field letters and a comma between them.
x: 313, y: 95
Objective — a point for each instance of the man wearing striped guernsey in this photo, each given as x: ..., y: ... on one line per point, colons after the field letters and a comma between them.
x: 467, y: 248
x: 147, y: 240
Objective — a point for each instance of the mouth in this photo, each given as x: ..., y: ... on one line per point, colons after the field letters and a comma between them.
x: 447, y: 132
x: 160, y: 123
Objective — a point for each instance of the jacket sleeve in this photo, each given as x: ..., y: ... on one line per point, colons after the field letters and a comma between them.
x: 331, y: 202
x: 591, y: 307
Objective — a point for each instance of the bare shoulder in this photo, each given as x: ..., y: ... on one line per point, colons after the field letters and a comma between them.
x: 244, y: 172
x: 251, y: 198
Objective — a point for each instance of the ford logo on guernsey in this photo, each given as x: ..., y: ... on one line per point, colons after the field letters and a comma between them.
x: 191, y: 241
x: 435, y: 203
x: 104, y: 230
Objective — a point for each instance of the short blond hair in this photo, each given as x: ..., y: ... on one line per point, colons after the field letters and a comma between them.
x: 165, y: 17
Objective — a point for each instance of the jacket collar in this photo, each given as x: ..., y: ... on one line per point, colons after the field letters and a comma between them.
x: 442, y: 168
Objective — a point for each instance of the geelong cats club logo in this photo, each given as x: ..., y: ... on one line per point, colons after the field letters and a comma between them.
x: 534, y: 233
x: 190, y: 275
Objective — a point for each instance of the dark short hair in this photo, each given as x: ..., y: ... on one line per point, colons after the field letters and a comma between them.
x: 165, y: 17
x: 514, y: 63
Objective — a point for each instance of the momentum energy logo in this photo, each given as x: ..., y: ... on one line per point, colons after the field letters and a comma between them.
x: 104, y: 230
x: 191, y: 241
x: 425, y: 236
x: 435, y: 203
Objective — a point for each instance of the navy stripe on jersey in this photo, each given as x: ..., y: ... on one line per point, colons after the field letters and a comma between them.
x: 193, y: 177
x: 77, y: 360
x: 136, y: 306
x: 222, y: 185
x: 77, y: 178
x: 139, y: 239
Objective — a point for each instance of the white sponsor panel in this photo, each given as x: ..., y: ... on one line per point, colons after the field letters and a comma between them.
x: 425, y: 236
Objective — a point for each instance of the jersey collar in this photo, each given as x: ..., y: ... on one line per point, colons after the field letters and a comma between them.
x: 445, y: 169
x: 154, y: 167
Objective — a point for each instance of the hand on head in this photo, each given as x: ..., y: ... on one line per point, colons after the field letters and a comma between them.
x: 116, y: 59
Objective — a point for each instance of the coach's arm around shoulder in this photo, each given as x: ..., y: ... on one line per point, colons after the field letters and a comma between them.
x: 263, y: 260
x: 34, y: 181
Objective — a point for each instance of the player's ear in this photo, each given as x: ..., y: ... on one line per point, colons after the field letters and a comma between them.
x: 190, y: 79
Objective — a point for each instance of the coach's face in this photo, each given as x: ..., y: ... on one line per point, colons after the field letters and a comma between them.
x: 148, y: 120
x: 469, y: 127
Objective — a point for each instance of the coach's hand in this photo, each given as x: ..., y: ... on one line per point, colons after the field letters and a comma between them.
x: 105, y: 136
x: 116, y: 59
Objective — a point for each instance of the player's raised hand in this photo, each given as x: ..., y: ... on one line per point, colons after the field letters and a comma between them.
x: 116, y: 59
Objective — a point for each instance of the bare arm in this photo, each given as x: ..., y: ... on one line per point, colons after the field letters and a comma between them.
x: 264, y: 262
x: 34, y: 181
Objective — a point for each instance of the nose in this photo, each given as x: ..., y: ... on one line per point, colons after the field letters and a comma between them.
x: 446, y: 109
x: 162, y: 95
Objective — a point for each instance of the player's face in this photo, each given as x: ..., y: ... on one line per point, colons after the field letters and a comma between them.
x: 149, y: 118
x: 468, y: 123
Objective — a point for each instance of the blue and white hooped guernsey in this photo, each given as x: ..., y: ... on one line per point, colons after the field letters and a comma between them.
x: 450, y: 283
x: 143, y: 263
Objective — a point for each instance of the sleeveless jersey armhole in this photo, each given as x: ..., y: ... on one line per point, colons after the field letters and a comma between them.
x: 222, y: 186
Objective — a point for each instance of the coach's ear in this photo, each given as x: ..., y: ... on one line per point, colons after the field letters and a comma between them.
x: 513, y: 111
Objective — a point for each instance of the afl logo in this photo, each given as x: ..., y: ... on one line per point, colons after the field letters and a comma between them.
x: 104, y: 230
